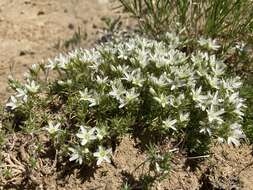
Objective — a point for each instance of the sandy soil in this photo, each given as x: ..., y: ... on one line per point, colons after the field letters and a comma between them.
x: 227, y: 168
x: 30, y: 30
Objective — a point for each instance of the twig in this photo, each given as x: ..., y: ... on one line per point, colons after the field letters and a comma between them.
x: 197, y: 157
x: 248, y: 165
x: 142, y: 163
x: 174, y: 150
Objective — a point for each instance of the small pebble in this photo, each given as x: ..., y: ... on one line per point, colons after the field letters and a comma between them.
x: 40, y: 13
x: 71, y: 26
x: 22, y: 53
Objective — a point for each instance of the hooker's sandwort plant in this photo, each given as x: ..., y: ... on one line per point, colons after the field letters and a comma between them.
x: 98, y: 95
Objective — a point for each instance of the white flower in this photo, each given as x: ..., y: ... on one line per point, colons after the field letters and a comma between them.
x: 130, y: 46
x: 183, y: 116
x: 201, y: 71
x: 183, y: 72
x: 214, y: 98
x: 205, y: 129
x: 100, y: 80
x: 103, y: 154
x: 77, y: 154
x: 176, y: 83
x: 237, y: 103
x: 117, y: 89
x: 94, y: 101
x: 199, y: 58
x: 176, y: 102
x: 13, y: 104
x: 162, y: 100
x: 92, y: 56
x: 68, y: 82
x: 196, y: 95
x: 173, y: 39
x: 63, y: 83
x: 220, y: 140
x: 239, y: 109
x: 236, y: 134
x: 51, y: 64
x: 158, y: 168
x: 162, y: 81
x: 51, y: 128
x: 152, y: 91
x: 95, y: 66
x: 138, y: 80
x: 35, y: 67
x: 120, y: 68
x: 208, y: 43
x: 86, y: 135
x: 22, y: 93
x: 142, y: 57
x: 85, y: 96
x: 130, y: 95
x: 73, y: 54
x: 122, y: 53
x: 214, y: 115
x: 232, y: 84
x: 32, y: 87
x: 160, y: 60
x: 62, y: 61
x: 134, y: 77
x: 213, y: 81
x: 218, y: 67
x: 233, y: 98
x: 232, y: 140
x: 169, y: 124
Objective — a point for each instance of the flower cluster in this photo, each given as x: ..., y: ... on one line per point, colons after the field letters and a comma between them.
x: 22, y: 93
x: 164, y: 89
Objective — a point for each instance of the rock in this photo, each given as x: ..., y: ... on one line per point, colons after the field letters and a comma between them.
x: 71, y: 26
x: 40, y: 13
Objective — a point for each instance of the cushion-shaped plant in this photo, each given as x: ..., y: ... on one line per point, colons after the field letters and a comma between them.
x: 94, y: 96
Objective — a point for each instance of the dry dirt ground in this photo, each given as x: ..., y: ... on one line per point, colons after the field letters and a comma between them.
x: 32, y: 30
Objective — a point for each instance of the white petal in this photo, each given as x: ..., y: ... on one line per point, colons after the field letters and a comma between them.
x: 99, y: 161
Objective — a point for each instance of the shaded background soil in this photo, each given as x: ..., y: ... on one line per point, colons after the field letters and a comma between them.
x: 32, y: 30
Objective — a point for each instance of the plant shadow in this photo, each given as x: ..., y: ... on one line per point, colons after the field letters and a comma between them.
x: 144, y: 182
x: 84, y: 172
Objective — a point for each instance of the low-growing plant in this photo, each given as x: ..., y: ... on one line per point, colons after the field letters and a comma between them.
x: 159, y: 166
x: 126, y: 186
x: 213, y: 18
x: 112, y: 25
x: 247, y: 93
x: 94, y: 97
x: 155, y: 168
x: 78, y: 37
